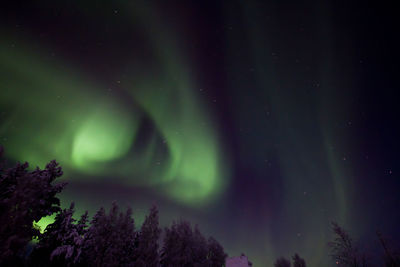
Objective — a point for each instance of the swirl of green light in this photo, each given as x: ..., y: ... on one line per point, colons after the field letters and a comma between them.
x: 50, y: 111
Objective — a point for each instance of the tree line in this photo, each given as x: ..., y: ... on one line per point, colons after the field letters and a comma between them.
x: 108, y: 239
x: 111, y: 239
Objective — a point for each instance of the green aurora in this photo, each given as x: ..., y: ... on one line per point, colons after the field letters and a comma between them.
x: 114, y: 92
x: 88, y: 130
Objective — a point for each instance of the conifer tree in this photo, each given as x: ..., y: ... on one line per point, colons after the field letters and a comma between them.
x: 61, y: 243
x: 110, y: 239
x: 199, y: 250
x: 147, y: 241
x: 216, y: 255
x: 282, y: 262
x: 25, y: 197
x: 343, y: 250
x: 298, y: 261
x: 176, y: 250
x: 390, y: 257
x: 184, y: 246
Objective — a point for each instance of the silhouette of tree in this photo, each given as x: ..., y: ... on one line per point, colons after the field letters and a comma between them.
x: 184, y: 246
x: 199, y: 248
x: 343, y: 250
x: 216, y: 254
x: 173, y: 251
x: 298, y: 261
x: 25, y: 197
x: 61, y: 243
x: 147, y: 241
x: 110, y: 239
x: 390, y: 257
x: 179, y: 246
x: 282, y: 262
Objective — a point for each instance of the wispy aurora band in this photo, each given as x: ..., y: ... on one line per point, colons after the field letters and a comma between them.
x: 52, y: 112
x: 303, y: 133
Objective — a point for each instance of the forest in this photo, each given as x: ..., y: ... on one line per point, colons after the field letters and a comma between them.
x: 110, y: 238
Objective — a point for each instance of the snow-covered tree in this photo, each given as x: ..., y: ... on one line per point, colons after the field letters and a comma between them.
x: 61, y: 243
x: 184, y: 246
x: 147, y: 241
x: 171, y: 253
x: 25, y: 197
x: 216, y: 254
x: 177, y: 246
x: 110, y: 239
x: 199, y: 248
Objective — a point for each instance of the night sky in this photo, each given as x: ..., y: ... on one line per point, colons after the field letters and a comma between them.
x: 260, y: 121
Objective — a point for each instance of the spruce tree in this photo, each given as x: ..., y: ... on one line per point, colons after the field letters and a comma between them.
x: 176, y: 247
x: 184, y: 246
x: 390, y: 257
x: 298, y: 261
x: 61, y: 243
x: 110, y: 239
x: 25, y: 197
x: 343, y: 250
x: 216, y: 255
x: 282, y: 262
x: 147, y: 241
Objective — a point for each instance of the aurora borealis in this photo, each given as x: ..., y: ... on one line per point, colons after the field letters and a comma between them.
x: 87, y: 138
x: 258, y: 120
